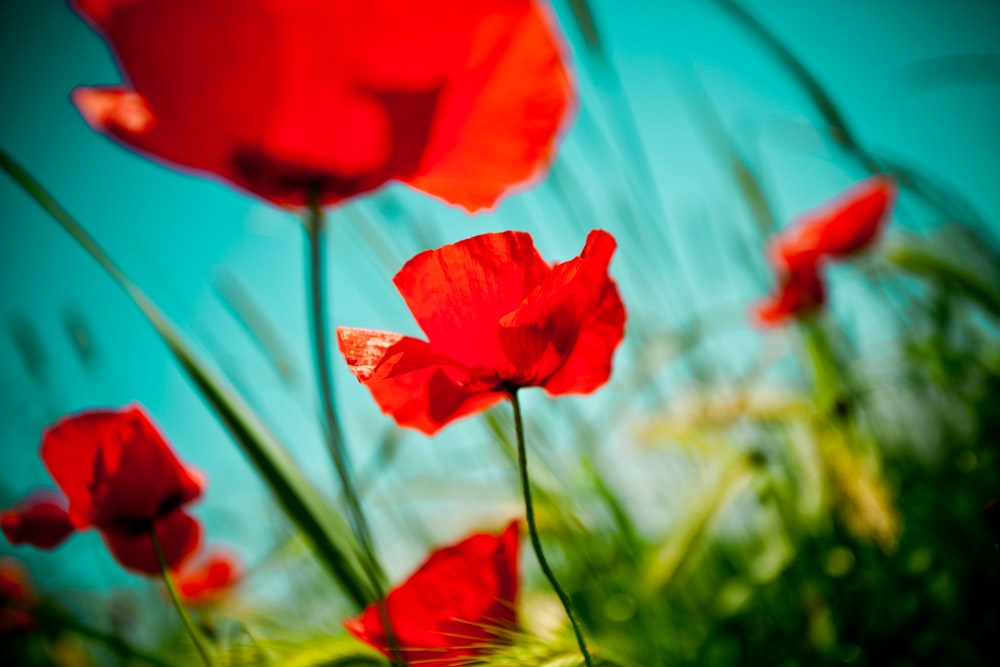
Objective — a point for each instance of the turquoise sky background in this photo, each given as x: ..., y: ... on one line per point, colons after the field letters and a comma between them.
x: 179, y: 235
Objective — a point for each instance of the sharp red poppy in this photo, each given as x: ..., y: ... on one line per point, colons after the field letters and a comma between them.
x: 16, y: 596
x: 121, y: 477
x: 40, y: 520
x: 328, y: 98
x: 845, y: 226
x: 457, y: 605
x: 799, y: 293
x: 208, y: 579
x: 497, y: 317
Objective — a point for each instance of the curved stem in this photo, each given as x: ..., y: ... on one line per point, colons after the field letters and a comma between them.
x: 536, y: 544
x: 333, y: 434
x: 196, y: 637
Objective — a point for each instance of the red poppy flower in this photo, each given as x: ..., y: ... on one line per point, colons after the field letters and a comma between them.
x: 843, y: 227
x: 800, y: 293
x: 40, y: 520
x: 459, y: 99
x: 121, y: 477
x: 497, y: 318
x: 460, y: 602
x: 209, y: 579
x: 15, y: 595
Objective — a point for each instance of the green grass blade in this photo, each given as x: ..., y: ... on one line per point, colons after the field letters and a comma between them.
x: 954, y: 267
x: 325, y: 529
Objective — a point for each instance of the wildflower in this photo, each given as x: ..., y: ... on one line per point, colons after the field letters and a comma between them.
x: 846, y: 226
x: 327, y: 99
x: 40, y: 520
x: 497, y: 318
x: 209, y: 579
x: 799, y: 293
x: 457, y: 605
x: 121, y: 477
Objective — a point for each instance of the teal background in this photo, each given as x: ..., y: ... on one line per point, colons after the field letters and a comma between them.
x: 177, y: 235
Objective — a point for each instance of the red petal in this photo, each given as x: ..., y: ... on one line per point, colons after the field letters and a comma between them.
x: 578, y: 313
x: 452, y: 608
x: 418, y: 386
x: 499, y: 119
x: 458, y: 293
x: 280, y: 98
x: 114, y: 466
x: 210, y: 578
x: 40, y: 520
x: 843, y: 227
x: 179, y: 535
x: 799, y: 294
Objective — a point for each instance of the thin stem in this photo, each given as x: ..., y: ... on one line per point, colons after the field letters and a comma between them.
x: 334, y: 436
x: 536, y: 544
x: 199, y: 641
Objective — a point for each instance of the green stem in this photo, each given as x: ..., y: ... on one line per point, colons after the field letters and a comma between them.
x: 334, y: 435
x: 306, y: 507
x: 192, y: 629
x: 536, y: 544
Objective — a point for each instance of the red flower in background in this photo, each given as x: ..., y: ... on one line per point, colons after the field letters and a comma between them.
x: 845, y: 226
x: 15, y: 595
x: 40, y: 520
x: 497, y: 317
x: 459, y: 99
x: 210, y: 579
x: 800, y: 293
x: 121, y: 477
x: 454, y: 607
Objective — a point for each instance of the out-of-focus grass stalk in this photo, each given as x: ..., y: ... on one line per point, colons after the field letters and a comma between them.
x: 826, y: 367
x: 197, y: 638
x: 926, y: 258
x: 529, y: 512
x: 617, y: 107
x: 944, y: 199
x: 707, y: 118
x: 241, y: 304
x: 670, y: 560
x: 295, y: 494
x: 315, y: 223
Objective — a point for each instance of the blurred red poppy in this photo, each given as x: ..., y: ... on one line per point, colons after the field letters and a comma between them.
x: 845, y: 226
x: 497, y: 317
x: 40, y: 520
x: 300, y: 98
x: 455, y: 607
x: 121, y: 477
x: 15, y: 597
x: 210, y: 578
x: 800, y: 293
